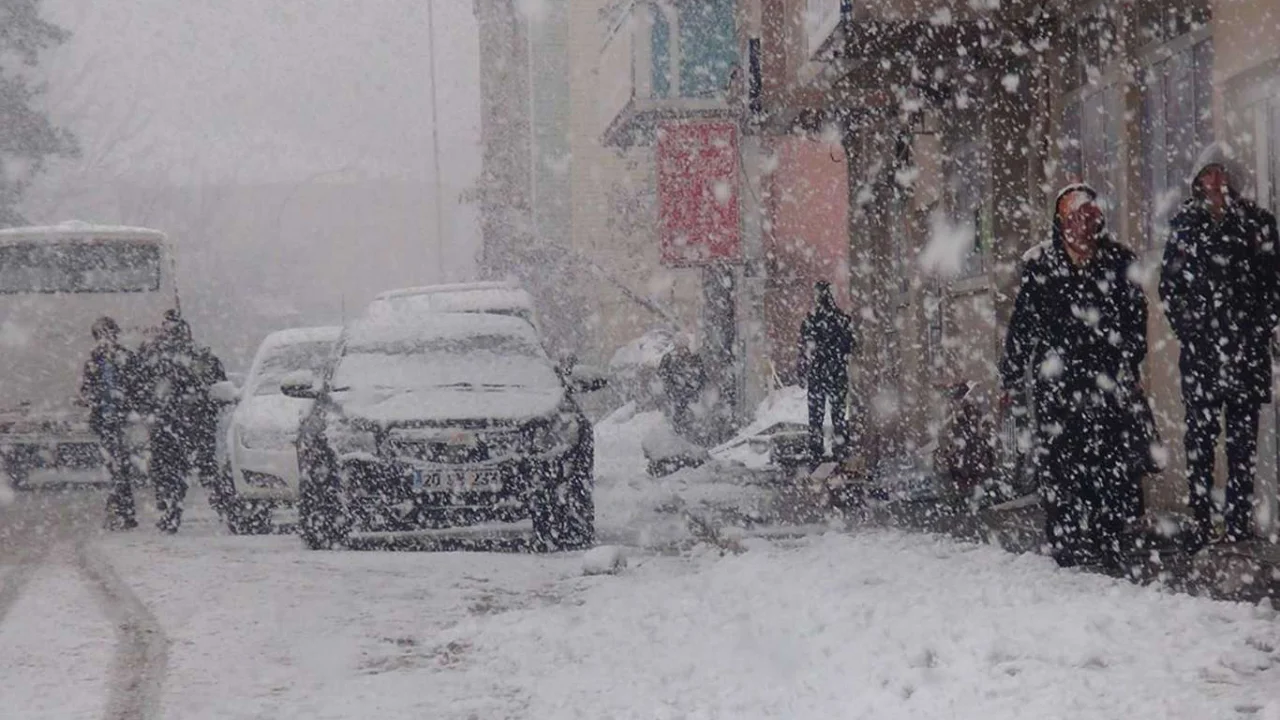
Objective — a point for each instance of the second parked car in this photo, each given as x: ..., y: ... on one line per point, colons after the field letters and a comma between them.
x: 443, y: 420
x: 261, y: 441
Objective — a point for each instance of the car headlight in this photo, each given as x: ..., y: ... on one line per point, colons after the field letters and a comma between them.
x: 348, y: 441
x: 560, y: 431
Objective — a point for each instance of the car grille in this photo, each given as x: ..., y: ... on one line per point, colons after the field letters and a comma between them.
x: 454, y: 448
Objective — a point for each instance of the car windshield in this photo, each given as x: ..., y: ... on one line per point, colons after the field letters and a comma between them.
x: 481, y: 361
x: 284, y: 359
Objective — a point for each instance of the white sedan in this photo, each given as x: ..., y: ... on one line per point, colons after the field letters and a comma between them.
x: 261, y: 439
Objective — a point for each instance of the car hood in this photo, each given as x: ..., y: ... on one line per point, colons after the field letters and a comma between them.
x: 443, y: 405
x: 270, y: 414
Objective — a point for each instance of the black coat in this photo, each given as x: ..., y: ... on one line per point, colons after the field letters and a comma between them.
x: 174, y: 380
x: 1220, y: 283
x: 107, y: 387
x: 1081, y: 332
x: 826, y: 341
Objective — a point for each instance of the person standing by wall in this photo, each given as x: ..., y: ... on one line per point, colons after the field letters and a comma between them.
x: 1220, y: 284
x: 826, y: 342
x: 1079, y: 330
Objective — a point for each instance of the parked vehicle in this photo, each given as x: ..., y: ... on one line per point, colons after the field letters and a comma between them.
x: 444, y: 420
x: 262, y: 454
x: 495, y: 298
x: 54, y: 283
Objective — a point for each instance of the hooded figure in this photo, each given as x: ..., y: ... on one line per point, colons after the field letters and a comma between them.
x: 1221, y: 290
x: 176, y: 376
x: 1078, y: 332
x: 826, y: 342
x: 107, y: 390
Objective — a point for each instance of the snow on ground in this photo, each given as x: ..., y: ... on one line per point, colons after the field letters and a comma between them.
x: 55, y: 648
x: 878, y: 625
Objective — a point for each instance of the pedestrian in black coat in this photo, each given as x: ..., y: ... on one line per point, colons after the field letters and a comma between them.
x: 1220, y: 283
x: 1078, y: 332
x: 826, y: 342
x: 177, y: 376
x: 107, y: 390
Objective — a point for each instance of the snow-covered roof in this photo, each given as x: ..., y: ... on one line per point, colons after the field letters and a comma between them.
x: 377, y: 331
x: 448, y: 288
x: 295, y: 336
x: 75, y: 229
x: 504, y: 300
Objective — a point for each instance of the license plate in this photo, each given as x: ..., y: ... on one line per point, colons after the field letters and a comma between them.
x: 457, y: 481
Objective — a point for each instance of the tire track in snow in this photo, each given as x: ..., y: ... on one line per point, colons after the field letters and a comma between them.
x: 142, y: 650
x: 16, y: 580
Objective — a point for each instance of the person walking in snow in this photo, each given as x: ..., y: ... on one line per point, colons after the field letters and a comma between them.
x: 1220, y: 284
x: 106, y: 389
x: 826, y: 342
x: 683, y: 378
x: 177, y: 376
x: 1079, y: 331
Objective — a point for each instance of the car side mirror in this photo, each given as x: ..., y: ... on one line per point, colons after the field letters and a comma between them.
x: 586, y: 378
x: 300, y: 385
x: 224, y: 393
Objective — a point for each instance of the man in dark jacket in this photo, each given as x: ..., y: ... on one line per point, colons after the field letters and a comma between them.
x: 1078, y: 332
x: 177, y: 377
x: 1220, y: 283
x: 105, y: 388
x: 826, y: 341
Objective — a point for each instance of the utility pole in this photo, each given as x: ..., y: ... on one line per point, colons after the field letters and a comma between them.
x: 435, y: 141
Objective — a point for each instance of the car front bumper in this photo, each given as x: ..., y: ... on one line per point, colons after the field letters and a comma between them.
x: 391, y: 496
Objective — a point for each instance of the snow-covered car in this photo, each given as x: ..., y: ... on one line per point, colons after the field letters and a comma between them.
x: 261, y: 438
x: 494, y: 298
x: 445, y: 420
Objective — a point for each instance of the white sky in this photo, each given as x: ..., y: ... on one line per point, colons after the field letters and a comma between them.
x: 253, y: 90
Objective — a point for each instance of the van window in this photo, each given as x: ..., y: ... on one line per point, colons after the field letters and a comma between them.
x: 77, y: 267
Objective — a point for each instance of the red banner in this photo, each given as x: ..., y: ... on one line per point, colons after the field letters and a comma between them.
x: 698, y: 193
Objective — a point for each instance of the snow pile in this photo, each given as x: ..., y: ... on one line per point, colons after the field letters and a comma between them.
x: 788, y: 406
x: 883, y: 625
x: 635, y: 509
x: 604, y: 560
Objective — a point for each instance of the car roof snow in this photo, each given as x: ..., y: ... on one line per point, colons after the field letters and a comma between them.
x: 438, y: 325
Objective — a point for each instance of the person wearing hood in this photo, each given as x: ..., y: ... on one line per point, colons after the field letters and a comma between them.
x: 1220, y: 284
x: 1078, y: 332
x: 826, y: 342
x: 107, y: 391
x: 177, y: 375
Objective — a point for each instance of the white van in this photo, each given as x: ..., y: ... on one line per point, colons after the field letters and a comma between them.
x: 54, y: 282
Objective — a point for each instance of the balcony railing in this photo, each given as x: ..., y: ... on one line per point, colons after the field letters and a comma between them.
x: 667, y: 59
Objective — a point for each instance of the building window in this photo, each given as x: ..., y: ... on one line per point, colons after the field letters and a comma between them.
x: 1091, y: 139
x: 970, y: 201
x: 1177, y: 122
x: 701, y: 36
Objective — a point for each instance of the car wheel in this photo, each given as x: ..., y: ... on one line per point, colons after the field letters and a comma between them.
x: 562, y: 508
x: 249, y: 517
x: 576, y: 502
x: 322, y: 522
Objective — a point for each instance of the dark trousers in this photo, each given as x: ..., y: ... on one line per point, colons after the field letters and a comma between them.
x: 1089, y: 490
x: 121, y: 512
x: 1203, y: 430
x: 170, y: 464
x: 828, y: 390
